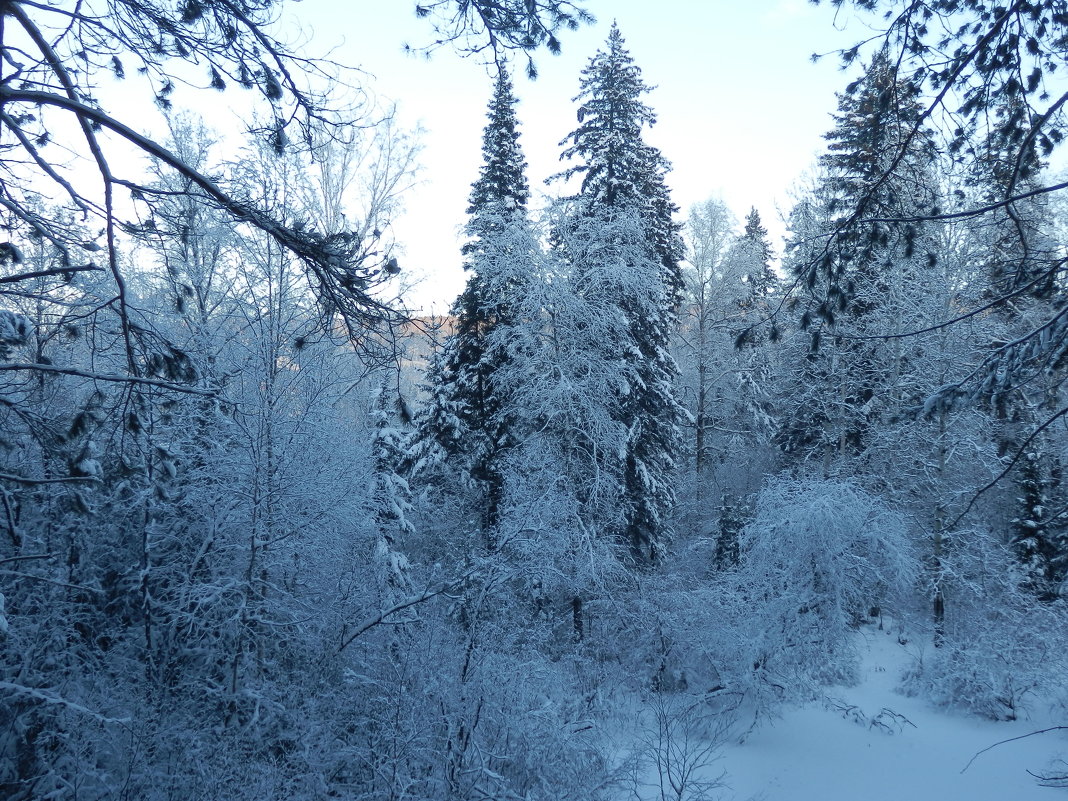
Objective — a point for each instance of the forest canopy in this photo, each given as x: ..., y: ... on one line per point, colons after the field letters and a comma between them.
x: 265, y: 533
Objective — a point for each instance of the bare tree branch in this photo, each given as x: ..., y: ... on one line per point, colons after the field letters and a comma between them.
x: 1011, y: 740
x: 113, y: 377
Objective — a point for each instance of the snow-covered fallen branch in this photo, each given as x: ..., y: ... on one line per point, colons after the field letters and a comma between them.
x: 1010, y: 740
x: 885, y: 720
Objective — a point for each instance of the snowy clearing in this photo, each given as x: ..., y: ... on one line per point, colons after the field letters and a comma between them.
x: 818, y: 753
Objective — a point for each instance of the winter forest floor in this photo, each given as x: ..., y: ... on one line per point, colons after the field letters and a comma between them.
x: 818, y: 752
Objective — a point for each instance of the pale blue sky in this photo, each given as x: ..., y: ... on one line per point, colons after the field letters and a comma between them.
x: 741, y: 106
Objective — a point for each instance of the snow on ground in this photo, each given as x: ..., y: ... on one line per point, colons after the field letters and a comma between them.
x: 815, y: 753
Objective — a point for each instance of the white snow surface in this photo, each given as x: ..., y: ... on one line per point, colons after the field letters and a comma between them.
x: 814, y: 753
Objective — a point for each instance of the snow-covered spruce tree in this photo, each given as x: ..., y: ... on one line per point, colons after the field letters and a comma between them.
x: 1017, y: 261
x: 622, y: 177
x: 389, y: 498
x: 855, y: 280
x: 1021, y: 258
x: 807, y: 411
x: 617, y: 168
x: 439, y: 430
x: 755, y: 334
x: 1037, y: 533
x: 875, y: 116
x: 464, y: 421
x: 755, y: 255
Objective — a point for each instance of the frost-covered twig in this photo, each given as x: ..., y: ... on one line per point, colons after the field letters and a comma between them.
x: 34, y: 481
x: 426, y: 595
x: 27, y: 558
x: 47, y: 580
x: 48, y: 698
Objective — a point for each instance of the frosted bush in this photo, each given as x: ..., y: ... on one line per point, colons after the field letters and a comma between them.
x: 1000, y: 645
x: 815, y: 559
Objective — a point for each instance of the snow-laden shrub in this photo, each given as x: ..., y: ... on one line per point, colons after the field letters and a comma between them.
x: 496, y: 717
x: 1000, y: 646
x: 816, y: 558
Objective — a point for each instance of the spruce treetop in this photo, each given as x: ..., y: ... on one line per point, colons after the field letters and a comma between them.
x: 877, y: 116
x: 502, y: 181
x: 618, y: 169
x: 877, y: 175
x: 755, y: 230
x: 760, y: 275
x: 614, y: 162
x: 499, y: 196
x: 463, y: 423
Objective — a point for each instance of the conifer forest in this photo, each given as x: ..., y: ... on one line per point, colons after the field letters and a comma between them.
x: 268, y: 533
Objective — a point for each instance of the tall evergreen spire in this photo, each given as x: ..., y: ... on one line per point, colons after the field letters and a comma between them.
x: 617, y: 168
x: 624, y: 179
x: 1019, y: 250
x: 856, y: 262
x: 757, y: 254
x: 868, y: 175
x: 465, y: 398
x: 614, y: 161
x: 502, y: 182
